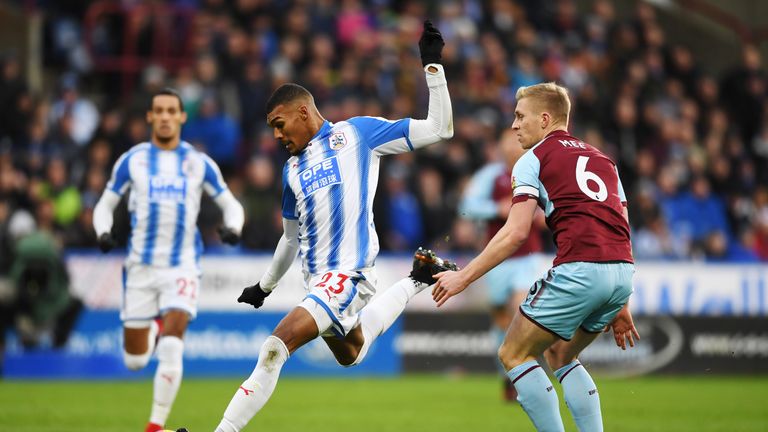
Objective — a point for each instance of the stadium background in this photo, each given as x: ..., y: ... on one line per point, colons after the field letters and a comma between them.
x: 674, y: 91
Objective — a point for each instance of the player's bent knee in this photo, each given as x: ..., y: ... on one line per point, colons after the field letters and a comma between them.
x: 508, y: 358
x: 348, y: 361
x: 136, y: 361
x: 273, y: 353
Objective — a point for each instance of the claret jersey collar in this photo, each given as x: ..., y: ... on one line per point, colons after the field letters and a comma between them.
x: 556, y: 132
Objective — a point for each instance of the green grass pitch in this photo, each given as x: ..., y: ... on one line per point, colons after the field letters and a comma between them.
x: 420, y: 403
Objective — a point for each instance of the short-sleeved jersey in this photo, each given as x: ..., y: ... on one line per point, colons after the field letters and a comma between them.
x: 329, y: 187
x: 164, y: 200
x: 581, y: 194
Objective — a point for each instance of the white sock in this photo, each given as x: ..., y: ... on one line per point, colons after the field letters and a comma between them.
x: 170, y: 351
x: 379, y: 315
x: 257, y: 389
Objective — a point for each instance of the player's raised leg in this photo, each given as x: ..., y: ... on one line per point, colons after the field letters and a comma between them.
x: 381, y: 313
x: 295, y: 330
x: 524, y: 342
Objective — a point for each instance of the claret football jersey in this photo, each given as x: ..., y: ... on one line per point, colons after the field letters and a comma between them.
x: 581, y: 194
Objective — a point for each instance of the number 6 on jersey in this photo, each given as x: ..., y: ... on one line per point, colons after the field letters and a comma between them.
x: 582, y: 178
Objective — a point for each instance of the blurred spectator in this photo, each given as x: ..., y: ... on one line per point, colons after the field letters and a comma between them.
x: 83, y: 112
x: 743, y: 92
x: 403, y: 213
x: 701, y: 211
x: 261, y: 201
x: 216, y: 132
x: 667, y: 118
x: 15, y: 102
x: 41, y: 305
x: 65, y: 197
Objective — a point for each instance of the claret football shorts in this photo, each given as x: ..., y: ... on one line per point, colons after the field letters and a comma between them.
x: 579, y: 294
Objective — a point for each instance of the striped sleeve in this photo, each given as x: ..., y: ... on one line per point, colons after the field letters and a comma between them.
x: 213, y: 181
x: 289, y: 198
x: 121, y: 174
x: 382, y: 135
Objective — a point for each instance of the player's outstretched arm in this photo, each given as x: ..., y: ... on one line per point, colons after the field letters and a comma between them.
x: 439, y: 122
x: 234, y: 217
x: 624, y: 328
x: 103, y: 218
x: 509, y: 238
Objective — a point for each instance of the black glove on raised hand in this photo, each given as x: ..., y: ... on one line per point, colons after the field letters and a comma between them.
x: 228, y: 236
x: 253, y: 295
x: 106, y: 242
x: 430, y: 44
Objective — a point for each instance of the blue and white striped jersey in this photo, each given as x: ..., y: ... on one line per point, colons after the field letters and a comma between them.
x: 165, y: 191
x: 330, y: 187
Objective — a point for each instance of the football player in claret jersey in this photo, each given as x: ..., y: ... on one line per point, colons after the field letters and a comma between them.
x: 328, y: 189
x: 161, y: 277
x: 589, y: 285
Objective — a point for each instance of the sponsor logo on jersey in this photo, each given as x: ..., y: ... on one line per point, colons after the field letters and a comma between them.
x: 163, y: 188
x: 321, y: 175
x: 337, y: 141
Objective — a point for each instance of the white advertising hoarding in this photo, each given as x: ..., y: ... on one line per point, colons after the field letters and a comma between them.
x: 660, y: 288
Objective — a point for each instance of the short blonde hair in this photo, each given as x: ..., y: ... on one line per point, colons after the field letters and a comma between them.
x: 550, y: 97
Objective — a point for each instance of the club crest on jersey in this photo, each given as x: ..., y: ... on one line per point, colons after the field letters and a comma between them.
x: 337, y: 141
x: 187, y: 168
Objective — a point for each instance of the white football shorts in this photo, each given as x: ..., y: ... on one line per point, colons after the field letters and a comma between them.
x: 335, y: 298
x: 150, y: 291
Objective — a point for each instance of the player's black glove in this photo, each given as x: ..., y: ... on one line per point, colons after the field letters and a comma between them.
x: 253, y: 295
x: 430, y: 44
x: 228, y: 236
x: 106, y: 242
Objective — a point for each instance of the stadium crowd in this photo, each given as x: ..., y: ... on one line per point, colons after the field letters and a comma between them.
x: 691, y: 146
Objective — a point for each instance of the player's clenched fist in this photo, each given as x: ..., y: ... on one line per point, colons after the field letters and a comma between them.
x: 229, y: 236
x: 253, y: 295
x: 430, y: 44
x: 106, y: 242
